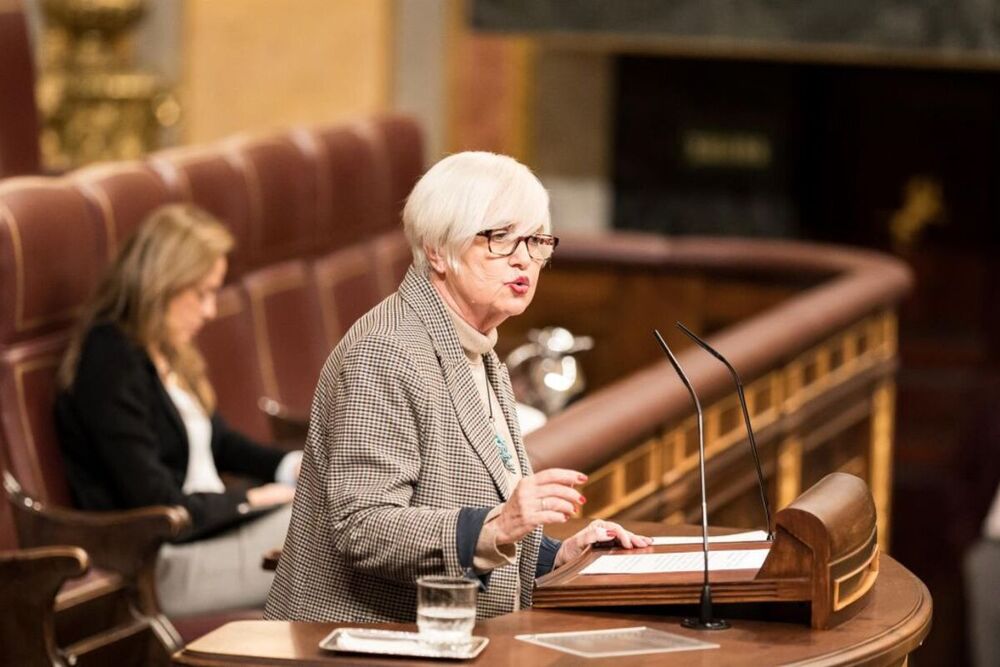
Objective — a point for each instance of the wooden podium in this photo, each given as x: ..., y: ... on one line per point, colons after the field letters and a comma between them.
x: 825, y: 553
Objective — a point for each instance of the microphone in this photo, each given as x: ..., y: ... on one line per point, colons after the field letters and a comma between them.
x: 705, y: 619
x: 746, y: 420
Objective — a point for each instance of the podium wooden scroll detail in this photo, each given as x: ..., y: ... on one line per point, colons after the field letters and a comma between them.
x: 825, y: 552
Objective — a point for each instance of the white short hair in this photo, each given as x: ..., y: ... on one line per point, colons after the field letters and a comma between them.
x: 467, y: 193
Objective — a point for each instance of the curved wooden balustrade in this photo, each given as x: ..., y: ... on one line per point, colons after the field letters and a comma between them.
x: 811, y: 328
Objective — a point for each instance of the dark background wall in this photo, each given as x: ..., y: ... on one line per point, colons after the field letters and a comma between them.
x: 872, y: 124
x: 910, y: 24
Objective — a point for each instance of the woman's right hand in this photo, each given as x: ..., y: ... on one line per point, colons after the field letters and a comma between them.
x: 543, y: 498
x: 270, y: 494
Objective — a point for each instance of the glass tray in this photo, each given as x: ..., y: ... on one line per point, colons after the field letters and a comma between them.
x: 393, y: 642
x: 615, y: 642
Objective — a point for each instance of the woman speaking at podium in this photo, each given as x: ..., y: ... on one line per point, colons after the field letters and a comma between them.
x: 414, y: 463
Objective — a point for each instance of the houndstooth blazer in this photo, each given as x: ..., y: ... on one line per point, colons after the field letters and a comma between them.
x: 399, y: 441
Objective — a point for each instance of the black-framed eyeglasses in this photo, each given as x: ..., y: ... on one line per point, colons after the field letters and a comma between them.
x: 503, y: 243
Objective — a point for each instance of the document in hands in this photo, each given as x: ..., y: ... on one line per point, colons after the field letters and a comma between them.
x: 692, y: 561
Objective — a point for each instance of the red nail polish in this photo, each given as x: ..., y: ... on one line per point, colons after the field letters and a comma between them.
x: 582, y: 500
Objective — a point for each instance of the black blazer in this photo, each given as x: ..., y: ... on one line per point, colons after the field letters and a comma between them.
x: 125, y: 446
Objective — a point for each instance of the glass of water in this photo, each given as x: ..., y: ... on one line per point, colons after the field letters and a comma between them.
x: 446, y: 610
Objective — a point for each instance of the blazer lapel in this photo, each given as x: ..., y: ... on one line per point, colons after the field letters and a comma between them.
x: 417, y: 291
x: 168, y: 403
x: 500, y: 380
x: 474, y: 421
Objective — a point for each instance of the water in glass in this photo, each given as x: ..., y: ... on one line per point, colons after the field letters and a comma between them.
x: 446, y: 610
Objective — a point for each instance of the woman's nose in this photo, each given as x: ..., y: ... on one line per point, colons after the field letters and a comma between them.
x: 520, y: 256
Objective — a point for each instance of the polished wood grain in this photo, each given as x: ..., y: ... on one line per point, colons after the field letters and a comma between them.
x: 824, y: 553
x: 29, y: 582
x: 891, y: 626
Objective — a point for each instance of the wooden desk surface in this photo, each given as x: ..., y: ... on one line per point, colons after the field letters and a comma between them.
x: 893, y: 624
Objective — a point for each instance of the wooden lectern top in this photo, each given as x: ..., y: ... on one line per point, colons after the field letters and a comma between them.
x: 892, y: 625
x: 824, y: 554
x: 824, y: 560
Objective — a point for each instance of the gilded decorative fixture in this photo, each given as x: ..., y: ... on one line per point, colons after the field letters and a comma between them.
x: 923, y: 205
x: 95, y: 103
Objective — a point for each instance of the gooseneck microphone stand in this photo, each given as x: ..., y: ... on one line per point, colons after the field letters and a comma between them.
x: 746, y: 420
x: 705, y: 619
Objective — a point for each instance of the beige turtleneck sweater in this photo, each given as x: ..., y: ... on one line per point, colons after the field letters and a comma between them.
x: 489, y: 554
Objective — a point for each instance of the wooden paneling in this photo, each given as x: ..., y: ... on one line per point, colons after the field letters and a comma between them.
x: 829, y: 407
x: 251, y: 65
x: 632, y: 304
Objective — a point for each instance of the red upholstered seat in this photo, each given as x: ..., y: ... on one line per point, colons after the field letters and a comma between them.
x: 229, y: 345
x: 210, y: 178
x: 28, y: 382
x: 315, y: 214
x: 123, y: 193
x: 393, y: 257
x: 281, y: 182
x: 347, y: 281
x: 52, y: 253
x: 403, y: 144
x: 354, y: 183
x: 291, y: 342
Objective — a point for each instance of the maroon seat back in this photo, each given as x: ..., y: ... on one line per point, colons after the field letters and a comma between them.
x: 354, y: 184
x: 347, y: 281
x: 213, y: 179
x: 291, y: 342
x: 28, y: 384
x: 281, y: 181
x: 229, y: 344
x: 393, y: 257
x: 315, y: 216
x: 403, y: 143
x: 19, y: 153
x: 52, y: 251
x: 123, y: 194
x: 351, y: 280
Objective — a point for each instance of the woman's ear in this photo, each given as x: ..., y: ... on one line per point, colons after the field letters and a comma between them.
x: 435, y: 259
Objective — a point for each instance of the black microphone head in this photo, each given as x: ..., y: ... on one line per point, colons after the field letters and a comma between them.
x: 680, y: 371
x: 705, y: 346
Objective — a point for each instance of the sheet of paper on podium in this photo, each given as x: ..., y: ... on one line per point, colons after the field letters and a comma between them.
x: 691, y: 561
x: 749, y: 536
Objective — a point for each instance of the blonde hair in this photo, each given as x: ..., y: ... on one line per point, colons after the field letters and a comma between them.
x: 173, y: 249
x: 467, y: 193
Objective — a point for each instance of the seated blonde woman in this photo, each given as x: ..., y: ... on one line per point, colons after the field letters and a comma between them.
x: 137, y: 423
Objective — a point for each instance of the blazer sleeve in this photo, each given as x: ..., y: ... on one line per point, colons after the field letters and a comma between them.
x: 113, y: 403
x: 547, y: 552
x: 372, y: 438
x: 234, y: 452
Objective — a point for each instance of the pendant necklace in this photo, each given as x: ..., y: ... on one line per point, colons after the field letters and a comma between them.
x: 502, y: 448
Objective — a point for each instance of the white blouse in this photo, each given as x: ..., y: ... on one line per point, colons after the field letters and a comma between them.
x: 201, y: 476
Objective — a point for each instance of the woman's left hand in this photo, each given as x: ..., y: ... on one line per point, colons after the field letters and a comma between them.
x: 599, y: 531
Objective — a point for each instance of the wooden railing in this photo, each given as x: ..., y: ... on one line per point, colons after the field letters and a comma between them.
x: 811, y: 328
